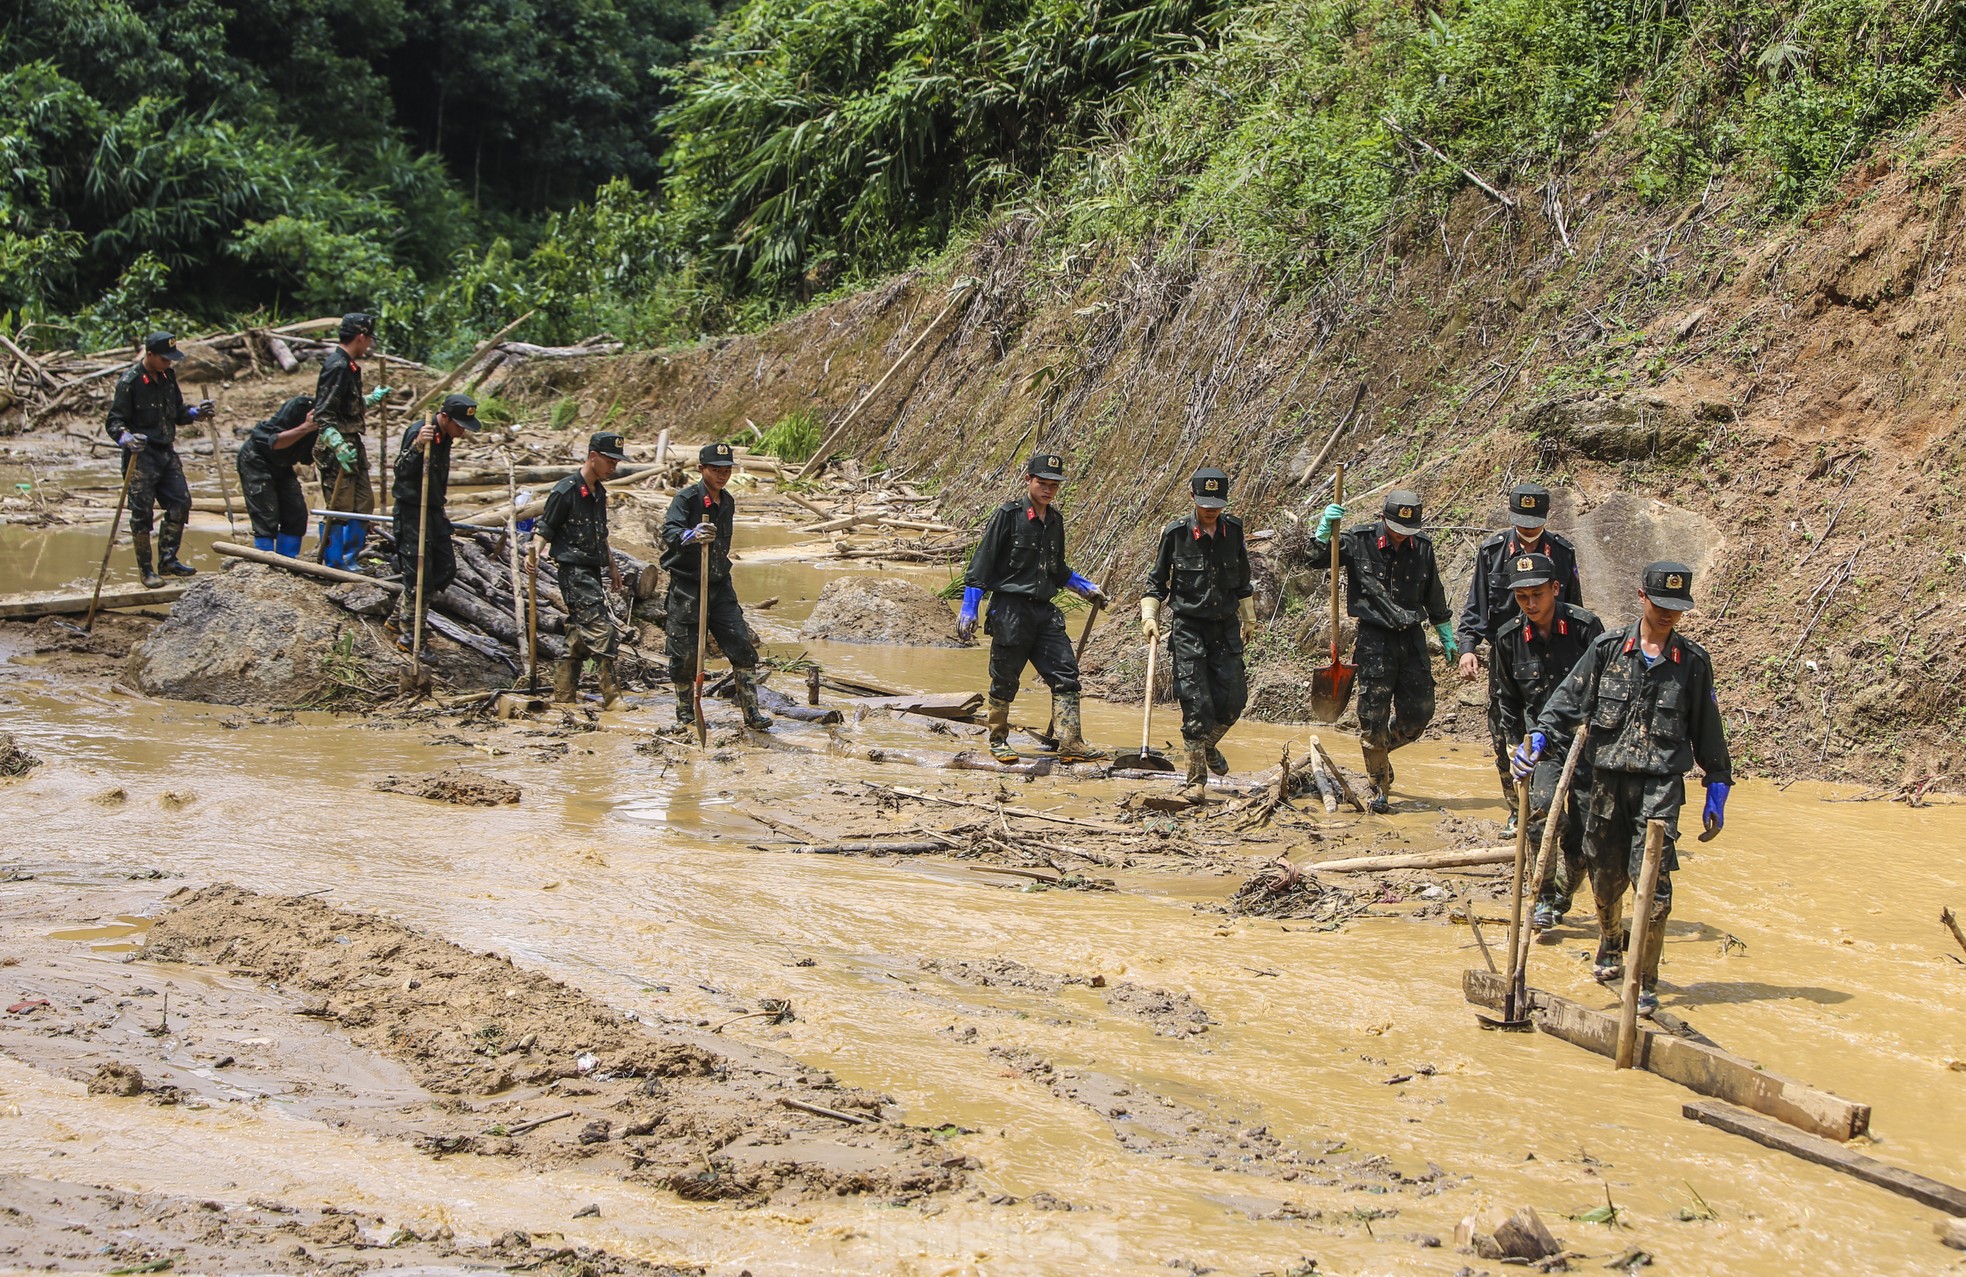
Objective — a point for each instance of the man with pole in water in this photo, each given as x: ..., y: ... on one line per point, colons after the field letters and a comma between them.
x: 1647, y: 692
x: 144, y: 414
x: 574, y: 526
x: 696, y: 536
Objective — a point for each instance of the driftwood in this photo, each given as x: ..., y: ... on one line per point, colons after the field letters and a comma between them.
x: 75, y: 604
x: 301, y: 567
x: 1344, y: 787
x: 1422, y: 860
x: 1824, y: 1152
x: 1026, y: 813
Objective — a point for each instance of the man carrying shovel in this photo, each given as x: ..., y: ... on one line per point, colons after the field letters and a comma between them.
x: 1199, y: 589
x: 423, y: 527
x: 1647, y: 693
x: 1020, y: 562
x: 574, y: 526
x: 144, y: 414
x: 1393, y: 590
x: 1532, y: 653
x: 696, y: 536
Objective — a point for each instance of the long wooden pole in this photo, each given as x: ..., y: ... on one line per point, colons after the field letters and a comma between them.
x: 224, y: 488
x: 301, y: 567
x: 422, y: 563
x: 702, y: 641
x: 1552, y: 824
x: 1337, y: 498
x: 115, y: 520
x: 512, y: 547
x: 1512, y: 1006
x: 817, y: 465
x: 1147, y: 710
x: 1641, y: 930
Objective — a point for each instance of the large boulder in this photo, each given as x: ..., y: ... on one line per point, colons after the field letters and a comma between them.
x: 1630, y: 426
x: 881, y: 609
x: 249, y: 635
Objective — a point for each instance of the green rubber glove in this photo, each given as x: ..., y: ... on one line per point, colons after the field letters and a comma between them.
x: 1448, y: 646
x: 1333, y: 514
x: 375, y: 396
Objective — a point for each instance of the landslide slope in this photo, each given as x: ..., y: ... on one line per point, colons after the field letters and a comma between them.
x: 1775, y: 401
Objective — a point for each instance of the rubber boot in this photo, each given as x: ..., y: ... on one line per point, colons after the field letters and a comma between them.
x: 744, y: 686
x: 566, y: 679
x: 141, y: 542
x: 1196, y: 783
x: 685, y: 708
x: 1379, y: 766
x: 1217, y: 763
x: 1610, y: 962
x: 1071, y: 738
x: 169, y: 536
x: 998, y: 717
x: 331, y: 544
x: 263, y: 543
x: 1648, y: 961
x: 288, y: 544
x: 604, y: 676
x: 354, y: 536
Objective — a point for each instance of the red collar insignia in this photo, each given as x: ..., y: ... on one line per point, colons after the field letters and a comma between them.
x: 584, y: 492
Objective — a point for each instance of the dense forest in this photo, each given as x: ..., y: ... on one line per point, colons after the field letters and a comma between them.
x: 660, y: 168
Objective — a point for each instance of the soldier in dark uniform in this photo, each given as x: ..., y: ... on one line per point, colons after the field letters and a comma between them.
x: 144, y: 415
x: 704, y: 515
x: 1393, y: 590
x: 1020, y: 562
x: 1647, y: 693
x: 1533, y: 652
x: 1491, y: 603
x: 1199, y: 589
x: 426, y: 443
x: 340, y: 451
x: 575, y: 525
x: 267, y: 459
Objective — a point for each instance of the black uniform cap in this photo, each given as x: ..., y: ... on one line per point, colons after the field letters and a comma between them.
x: 164, y: 344
x: 463, y: 409
x: 1529, y: 505
x: 1527, y: 570
x: 608, y: 444
x: 355, y: 323
x: 1211, y: 489
x: 1670, y: 585
x: 716, y: 454
x: 1402, y: 511
x: 1045, y: 465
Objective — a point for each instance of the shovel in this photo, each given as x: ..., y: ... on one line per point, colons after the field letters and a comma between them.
x: 1147, y: 760
x: 1515, y: 1009
x: 416, y: 680
x: 1331, y: 687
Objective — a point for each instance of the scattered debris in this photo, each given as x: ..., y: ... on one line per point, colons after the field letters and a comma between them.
x: 457, y: 785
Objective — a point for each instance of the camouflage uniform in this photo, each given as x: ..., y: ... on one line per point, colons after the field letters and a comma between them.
x: 151, y: 404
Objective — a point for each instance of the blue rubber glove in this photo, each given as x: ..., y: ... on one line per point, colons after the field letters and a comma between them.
x: 1448, y: 646
x: 966, y: 623
x: 1523, y: 761
x: 1714, y: 814
x: 704, y: 531
x: 193, y: 413
x: 1086, y: 589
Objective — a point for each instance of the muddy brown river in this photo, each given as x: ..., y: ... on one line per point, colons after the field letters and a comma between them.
x: 1805, y: 938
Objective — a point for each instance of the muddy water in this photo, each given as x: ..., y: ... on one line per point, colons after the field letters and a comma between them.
x: 635, y: 881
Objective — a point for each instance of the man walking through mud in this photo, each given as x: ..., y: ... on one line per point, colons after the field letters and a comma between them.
x: 340, y: 451
x: 423, y: 531
x: 1393, y: 590
x: 1534, y: 650
x: 274, y: 501
x: 697, y: 530
x: 1020, y: 563
x: 1647, y: 692
x: 1491, y: 604
x: 144, y: 415
x: 1199, y: 591
x: 575, y: 527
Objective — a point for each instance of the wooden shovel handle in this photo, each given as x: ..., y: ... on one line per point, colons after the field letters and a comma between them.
x: 1337, y: 498
x: 1147, y: 710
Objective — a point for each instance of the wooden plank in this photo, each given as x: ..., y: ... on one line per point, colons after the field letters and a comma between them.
x: 1694, y: 1065
x: 1811, y: 1148
x: 1416, y: 860
x: 951, y: 705
x: 28, y: 609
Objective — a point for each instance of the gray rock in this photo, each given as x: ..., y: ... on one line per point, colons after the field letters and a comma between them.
x: 363, y: 600
x: 1620, y: 427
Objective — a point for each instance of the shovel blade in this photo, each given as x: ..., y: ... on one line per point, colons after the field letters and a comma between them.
x: 1145, y: 761
x: 1331, y: 691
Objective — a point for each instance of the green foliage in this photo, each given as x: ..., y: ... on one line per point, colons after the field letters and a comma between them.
x: 817, y: 138
x: 793, y: 437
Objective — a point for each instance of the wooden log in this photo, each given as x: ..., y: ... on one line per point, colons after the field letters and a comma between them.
x: 474, y: 610
x: 77, y: 604
x: 1418, y: 860
x: 301, y: 566
x: 1693, y: 1065
x: 955, y: 706
x: 784, y: 706
x: 867, y: 848
x: 1813, y: 1148
x: 282, y: 353
x: 1345, y: 790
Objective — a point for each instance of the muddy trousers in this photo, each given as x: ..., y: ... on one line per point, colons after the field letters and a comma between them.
x: 439, y: 561
x: 1503, y: 748
x: 727, y: 626
x: 1614, y: 851
x: 1395, y: 694
x: 158, y: 480
x: 1567, y: 868
x: 590, y: 626
x: 1027, y: 631
x: 1209, y: 676
x: 274, y: 501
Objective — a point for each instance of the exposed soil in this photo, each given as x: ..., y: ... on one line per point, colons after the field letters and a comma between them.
x: 664, y: 1104
x: 881, y: 609
x: 57, y: 1227
x: 458, y: 785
